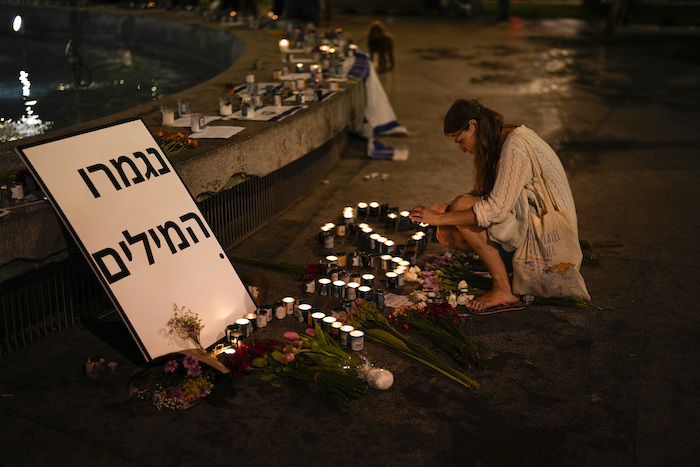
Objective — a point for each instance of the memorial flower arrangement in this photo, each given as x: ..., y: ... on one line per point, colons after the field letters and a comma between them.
x: 174, y: 382
x: 442, y: 325
x: 178, y: 380
x: 453, y: 278
x: 173, y: 143
x: 185, y: 324
x: 313, y: 357
x: 365, y: 315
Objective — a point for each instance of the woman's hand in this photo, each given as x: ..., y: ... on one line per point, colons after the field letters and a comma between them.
x: 427, y: 215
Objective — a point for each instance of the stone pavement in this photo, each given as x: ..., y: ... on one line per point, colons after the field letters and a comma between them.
x: 612, y: 384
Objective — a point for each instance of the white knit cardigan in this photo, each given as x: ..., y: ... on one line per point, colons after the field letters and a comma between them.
x: 504, y: 212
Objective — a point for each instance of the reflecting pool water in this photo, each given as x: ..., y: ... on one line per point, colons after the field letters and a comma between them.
x: 48, y: 84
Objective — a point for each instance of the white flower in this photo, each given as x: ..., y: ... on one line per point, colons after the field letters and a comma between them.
x: 452, y: 300
x: 448, y: 254
x: 253, y: 291
x: 462, y: 286
x: 421, y: 296
x: 421, y: 304
x: 413, y: 274
x: 431, y: 294
x: 463, y: 299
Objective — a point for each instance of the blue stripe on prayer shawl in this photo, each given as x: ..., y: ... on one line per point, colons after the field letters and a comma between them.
x: 386, y: 126
x: 361, y: 66
x: 381, y: 151
x: 285, y: 113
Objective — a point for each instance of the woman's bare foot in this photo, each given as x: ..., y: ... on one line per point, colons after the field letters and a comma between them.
x: 501, y: 300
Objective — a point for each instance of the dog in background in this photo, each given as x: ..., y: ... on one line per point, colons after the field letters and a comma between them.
x: 381, y: 46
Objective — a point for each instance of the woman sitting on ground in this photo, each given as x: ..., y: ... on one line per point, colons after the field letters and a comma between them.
x: 492, y: 221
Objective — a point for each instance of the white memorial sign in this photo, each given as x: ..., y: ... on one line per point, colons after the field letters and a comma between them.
x: 141, y: 231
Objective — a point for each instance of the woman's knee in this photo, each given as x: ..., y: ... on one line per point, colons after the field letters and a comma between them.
x: 463, y: 202
x: 450, y: 237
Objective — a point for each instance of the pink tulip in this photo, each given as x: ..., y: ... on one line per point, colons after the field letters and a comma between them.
x: 291, y: 336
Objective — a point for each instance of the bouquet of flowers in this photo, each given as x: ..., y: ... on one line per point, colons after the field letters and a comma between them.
x: 441, y: 324
x: 313, y: 357
x: 185, y: 324
x: 173, y: 143
x: 453, y: 278
x: 365, y: 315
x: 177, y: 381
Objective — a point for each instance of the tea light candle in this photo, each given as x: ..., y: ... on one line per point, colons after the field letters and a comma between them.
x: 225, y: 106
x: 335, y: 328
x: 300, y: 67
x: 284, y: 46
x: 401, y: 275
x: 343, y: 334
x: 289, y: 305
x: 374, y: 209
x: 280, y: 310
x: 373, y: 245
x: 381, y: 245
x: 331, y: 261
x: 362, y: 209
x: 357, y: 339
x: 404, y: 221
x: 391, y: 219
x: 244, y: 327
x: 267, y: 311
x: 368, y: 279
x: 339, y: 289
x: 392, y: 281
x: 253, y: 319
x: 365, y: 292
x: 384, y: 261
x: 167, y: 115
x: 351, y: 292
x: 197, y: 122
x: 324, y: 286
x: 305, y: 308
x: 317, y: 317
x: 326, y: 323
x: 314, y: 70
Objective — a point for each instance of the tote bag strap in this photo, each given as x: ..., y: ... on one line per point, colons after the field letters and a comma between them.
x: 538, y: 172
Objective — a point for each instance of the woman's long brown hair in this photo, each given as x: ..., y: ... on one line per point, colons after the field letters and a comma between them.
x: 488, y: 133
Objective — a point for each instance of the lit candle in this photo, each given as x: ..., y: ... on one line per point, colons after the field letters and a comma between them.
x: 392, y: 281
x: 351, y: 292
x: 335, y: 328
x: 339, y: 289
x: 300, y: 67
x: 284, y: 46
x: 389, y: 246
x: 289, y: 305
x: 305, y: 308
x: 374, y: 209
x: 357, y: 340
x: 362, y: 209
x: 326, y: 323
x: 253, y: 319
x: 365, y: 292
x: 317, y: 317
x: 385, y: 260
x: 368, y: 279
x: 324, y: 285
x: 244, y: 327
x: 343, y: 334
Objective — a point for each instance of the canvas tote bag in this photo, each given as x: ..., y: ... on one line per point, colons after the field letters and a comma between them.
x: 547, y: 263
